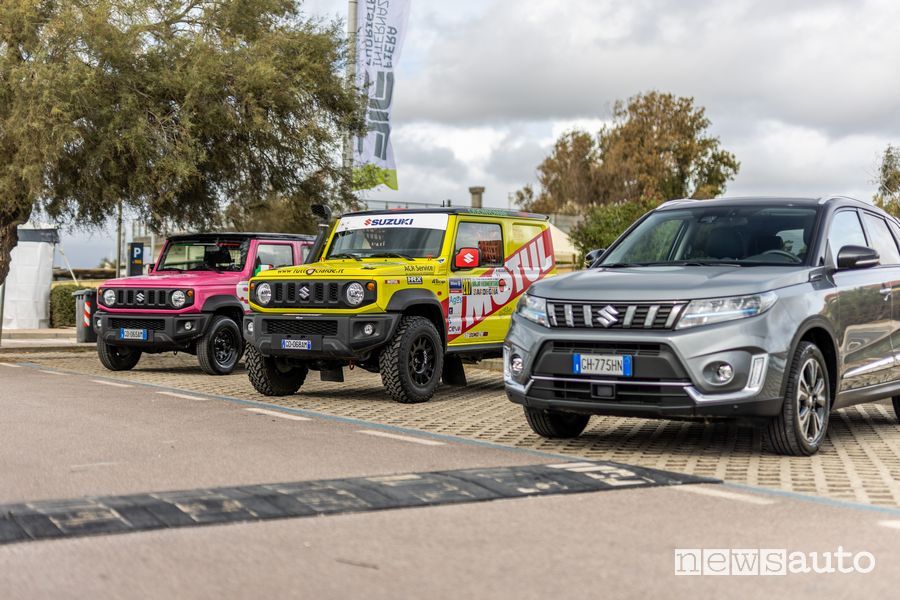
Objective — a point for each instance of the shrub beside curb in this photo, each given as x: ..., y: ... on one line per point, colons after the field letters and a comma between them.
x: 62, y: 305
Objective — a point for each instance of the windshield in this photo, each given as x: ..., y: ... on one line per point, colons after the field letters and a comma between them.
x: 746, y: 235
x: 405, y: 235
x: 206, y: 255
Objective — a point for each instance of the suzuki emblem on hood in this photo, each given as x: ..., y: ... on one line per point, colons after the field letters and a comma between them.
x: 607, y: 316
x: 140, y: 297
x: 303, y: 292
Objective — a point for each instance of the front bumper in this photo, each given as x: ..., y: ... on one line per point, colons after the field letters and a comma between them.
x: 671, y: 370
x: 164, y: 332
x: 328, y: 336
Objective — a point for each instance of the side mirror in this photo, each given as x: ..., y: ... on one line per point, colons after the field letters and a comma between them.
x: 150, y: 267
x: 857, y: 257
x: 467, y: 258
x: 593, y: 255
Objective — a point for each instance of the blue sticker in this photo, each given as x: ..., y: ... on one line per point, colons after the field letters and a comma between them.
x: 455, y: 285
x: 576, y: 364
x: 626, y: 365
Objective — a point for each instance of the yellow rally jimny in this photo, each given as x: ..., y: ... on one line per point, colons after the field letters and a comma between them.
x: 411, y: 294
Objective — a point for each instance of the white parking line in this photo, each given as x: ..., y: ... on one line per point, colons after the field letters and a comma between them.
x: 275, y: 413
x: 51, y: 372
x: 890, y: 524
x: 3, y: 364
x: 716, y: 493
x: 402, y: 438
x: 183, y: 396
x: 112, y: 383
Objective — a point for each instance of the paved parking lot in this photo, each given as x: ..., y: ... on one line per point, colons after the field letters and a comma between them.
x: 860, y: 462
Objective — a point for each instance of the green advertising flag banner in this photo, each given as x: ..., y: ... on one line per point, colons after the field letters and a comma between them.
x: 382, y: 29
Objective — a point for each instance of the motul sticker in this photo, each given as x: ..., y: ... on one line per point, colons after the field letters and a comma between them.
x: 498, y: 287
x: 405, y: 221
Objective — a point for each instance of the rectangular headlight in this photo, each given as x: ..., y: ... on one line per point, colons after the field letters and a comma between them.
x: 719, y: 310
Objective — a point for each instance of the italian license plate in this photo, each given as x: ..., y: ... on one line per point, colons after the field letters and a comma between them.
x: 132, y: 334
x: 603, y: 364
x: 296, y: 344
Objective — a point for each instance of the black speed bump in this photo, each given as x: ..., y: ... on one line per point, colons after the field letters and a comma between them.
x: 101, y: 515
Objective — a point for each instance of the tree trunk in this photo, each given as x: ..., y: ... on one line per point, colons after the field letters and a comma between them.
x: 9, y: 237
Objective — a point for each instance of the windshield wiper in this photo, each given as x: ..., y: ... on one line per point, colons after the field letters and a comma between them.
x: 346, y: 255
x: 390, y: 255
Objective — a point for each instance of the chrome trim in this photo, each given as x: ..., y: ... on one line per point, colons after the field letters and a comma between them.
x: 748, y: 393
x: 651, y: 316
x: 570, y: 320
x: 551, y: 314
x: 629, y: 316
x: 588, y: 317
x: 612, y: 381
x: 673, y: 316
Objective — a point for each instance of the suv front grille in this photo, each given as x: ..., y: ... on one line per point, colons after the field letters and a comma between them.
x: 143, y: 298
x: 151, y: 324
x: 618, y: 315
x: 307, y: 293
x: 300, y: 327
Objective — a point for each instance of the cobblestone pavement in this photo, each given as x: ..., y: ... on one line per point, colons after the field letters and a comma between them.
x: 860, y: 462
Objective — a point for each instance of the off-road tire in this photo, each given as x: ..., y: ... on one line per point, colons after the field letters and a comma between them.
x: 271, y: 378
x: 782, y: 434
x: 398, y: 374
x: 555, y: 424
x: 212, y: 358
x: 117, y: 358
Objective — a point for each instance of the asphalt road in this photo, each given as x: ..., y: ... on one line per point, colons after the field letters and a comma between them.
x: 66, y: 436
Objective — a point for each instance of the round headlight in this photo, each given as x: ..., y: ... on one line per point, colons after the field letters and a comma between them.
x: 109, y: 297
x: 355, y: 294
x: 264, y: 293
x: 178, y: 298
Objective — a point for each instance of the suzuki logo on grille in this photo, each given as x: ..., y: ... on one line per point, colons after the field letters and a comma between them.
x: 607, y: 316
x: 140, y: 297
x: 303, y: 292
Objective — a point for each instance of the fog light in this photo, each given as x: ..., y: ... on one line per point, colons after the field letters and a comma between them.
x: 516, y: 364
x: 250, y: 326
x: 188, y: 326
x: 368, y: 329
x: 724, y: 373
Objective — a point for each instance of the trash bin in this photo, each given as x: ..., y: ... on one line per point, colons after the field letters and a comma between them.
x: 85, y: 302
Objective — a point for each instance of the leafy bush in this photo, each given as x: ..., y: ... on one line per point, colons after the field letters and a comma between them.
x: 606, y: 222
x: 62, y: 305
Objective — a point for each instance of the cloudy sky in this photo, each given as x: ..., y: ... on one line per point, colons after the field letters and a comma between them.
x: 805, y: 93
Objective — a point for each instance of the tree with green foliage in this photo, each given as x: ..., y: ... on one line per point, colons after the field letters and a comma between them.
x: 656, y: 148
x: 888, y: 194
x: 183, y: 110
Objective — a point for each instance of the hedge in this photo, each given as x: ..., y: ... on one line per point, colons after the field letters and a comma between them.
x: 62, y: 305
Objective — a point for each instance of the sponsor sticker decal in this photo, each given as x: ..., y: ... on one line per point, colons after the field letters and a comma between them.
x: 414, y: 280
x: 392, y: 281
x: 455, y: 285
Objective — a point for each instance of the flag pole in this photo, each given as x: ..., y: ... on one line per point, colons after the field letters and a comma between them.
x: 352, y: 26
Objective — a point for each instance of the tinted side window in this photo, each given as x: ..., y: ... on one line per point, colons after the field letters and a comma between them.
x: 487, y: 237
x: 846, y: 230
x: 882, y: 241
x: 277, y: 255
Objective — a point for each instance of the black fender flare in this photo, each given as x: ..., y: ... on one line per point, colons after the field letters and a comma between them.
x: 404, y: 299
x: 214, y: 303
